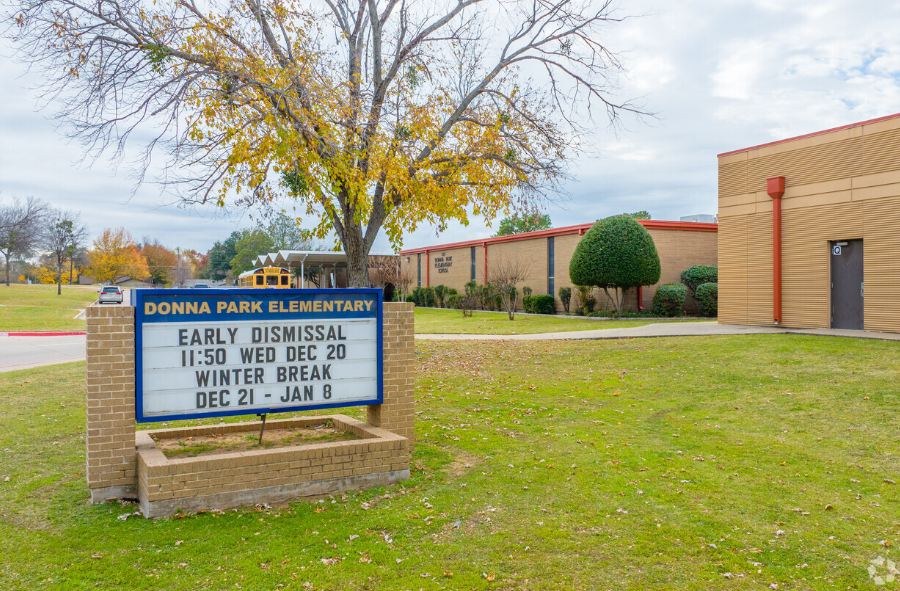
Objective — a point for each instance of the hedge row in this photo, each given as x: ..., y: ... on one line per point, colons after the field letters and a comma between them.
x: 668, y: 301
x: 539, y: 304
x: 432, y: 297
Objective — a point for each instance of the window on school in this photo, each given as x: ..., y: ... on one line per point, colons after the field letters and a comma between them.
x: 550, y: 265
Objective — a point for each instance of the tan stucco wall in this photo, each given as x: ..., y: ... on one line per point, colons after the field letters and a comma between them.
x: 841, y: 185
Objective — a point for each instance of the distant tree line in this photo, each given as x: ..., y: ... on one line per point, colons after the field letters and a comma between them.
x: 29, y: 227
x: 42, y: 244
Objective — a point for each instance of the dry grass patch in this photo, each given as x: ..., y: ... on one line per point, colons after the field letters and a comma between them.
x: 207, y: 445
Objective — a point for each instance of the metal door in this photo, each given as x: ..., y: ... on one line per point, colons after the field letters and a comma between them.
x: 847, y: 284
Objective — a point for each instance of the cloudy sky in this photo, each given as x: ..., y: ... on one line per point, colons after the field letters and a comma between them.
x: 719, y: 75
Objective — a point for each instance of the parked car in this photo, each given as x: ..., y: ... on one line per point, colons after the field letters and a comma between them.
x: 110, y: 293
x: 201, y: 286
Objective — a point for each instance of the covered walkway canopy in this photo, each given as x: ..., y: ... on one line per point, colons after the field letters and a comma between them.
x: 329, y: 267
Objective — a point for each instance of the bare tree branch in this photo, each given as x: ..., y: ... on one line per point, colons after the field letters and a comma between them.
x: 373, y: 115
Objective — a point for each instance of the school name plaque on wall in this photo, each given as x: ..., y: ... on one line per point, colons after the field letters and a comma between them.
x: 251, y: 351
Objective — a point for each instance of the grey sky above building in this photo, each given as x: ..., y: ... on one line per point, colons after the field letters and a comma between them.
x: 719, y: 75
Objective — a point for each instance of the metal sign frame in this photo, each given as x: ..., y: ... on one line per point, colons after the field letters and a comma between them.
x: 141, y: 296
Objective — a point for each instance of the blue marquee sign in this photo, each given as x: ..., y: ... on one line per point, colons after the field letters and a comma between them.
x: 221, y: 352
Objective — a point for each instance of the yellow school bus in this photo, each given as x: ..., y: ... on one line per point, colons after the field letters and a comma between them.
x: 266, y: 277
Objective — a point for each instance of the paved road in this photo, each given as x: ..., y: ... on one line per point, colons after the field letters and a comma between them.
x: 24, y: 352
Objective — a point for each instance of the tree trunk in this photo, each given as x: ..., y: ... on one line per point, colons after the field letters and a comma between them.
x: 357, y: 256
x: 59, y: 281
x: 7, y: 269
x: 71, y: 269
x: 617, y: 299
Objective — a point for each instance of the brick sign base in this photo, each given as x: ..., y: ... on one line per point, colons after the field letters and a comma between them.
x: 219, y: 481
x: 125, y: 463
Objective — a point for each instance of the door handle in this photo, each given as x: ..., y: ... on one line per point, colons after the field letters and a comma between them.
x: 861, y: 290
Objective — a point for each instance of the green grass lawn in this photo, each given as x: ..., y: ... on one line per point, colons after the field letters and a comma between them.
x: 696, y: 463
x: 433, y: 321
x: 37, y: 307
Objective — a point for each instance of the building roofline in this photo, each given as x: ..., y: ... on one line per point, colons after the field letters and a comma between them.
x: 813, y: 134
x: 577, y: 229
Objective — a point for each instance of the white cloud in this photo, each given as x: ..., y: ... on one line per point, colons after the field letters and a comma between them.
x: 886, y: 64
x: 631, y: 151
x: 653, y: 73
x: 740, y: 73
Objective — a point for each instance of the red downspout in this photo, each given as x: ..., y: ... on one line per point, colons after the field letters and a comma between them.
x: 640, y: 298
x: 775, y: 189
x: 484, y: 246
x: 427, y: 270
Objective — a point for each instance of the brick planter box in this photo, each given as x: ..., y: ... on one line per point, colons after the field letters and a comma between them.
x: 274, y: 475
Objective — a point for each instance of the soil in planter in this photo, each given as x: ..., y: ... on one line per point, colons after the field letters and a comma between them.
x: 192, y: 447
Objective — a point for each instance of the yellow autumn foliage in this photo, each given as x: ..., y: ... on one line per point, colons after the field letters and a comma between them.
x: 114, y: 255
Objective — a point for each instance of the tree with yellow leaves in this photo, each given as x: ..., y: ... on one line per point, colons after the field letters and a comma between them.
x: 368, y: 114
x: 114, y: 255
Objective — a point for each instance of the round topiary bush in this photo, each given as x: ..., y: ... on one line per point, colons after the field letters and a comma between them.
x: 669, y: 299
x: 707, y: 296
x: 698, y: 275
x: 618, y: 253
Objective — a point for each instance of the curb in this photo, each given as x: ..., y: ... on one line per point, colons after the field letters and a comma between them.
x: 44, y: 334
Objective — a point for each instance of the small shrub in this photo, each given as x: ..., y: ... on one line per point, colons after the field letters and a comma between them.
x: 471, y: 287
x: 428, y: 297
x: 467, y: 303
x: 439, y: 293
x: 486, y: 297
x: 543, y: 304
x: 669, y: 299
x: 411, y: 299
x: 453, y: 302
x: 526, y: 291
x: 565, y: 296
x: 707, y: 296
x: 424, y: 296
x: 526, y: 303
x: 698, y: 275
x: 586, y: 299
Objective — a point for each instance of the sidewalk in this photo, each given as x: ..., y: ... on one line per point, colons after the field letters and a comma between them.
x: 666, y: 329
